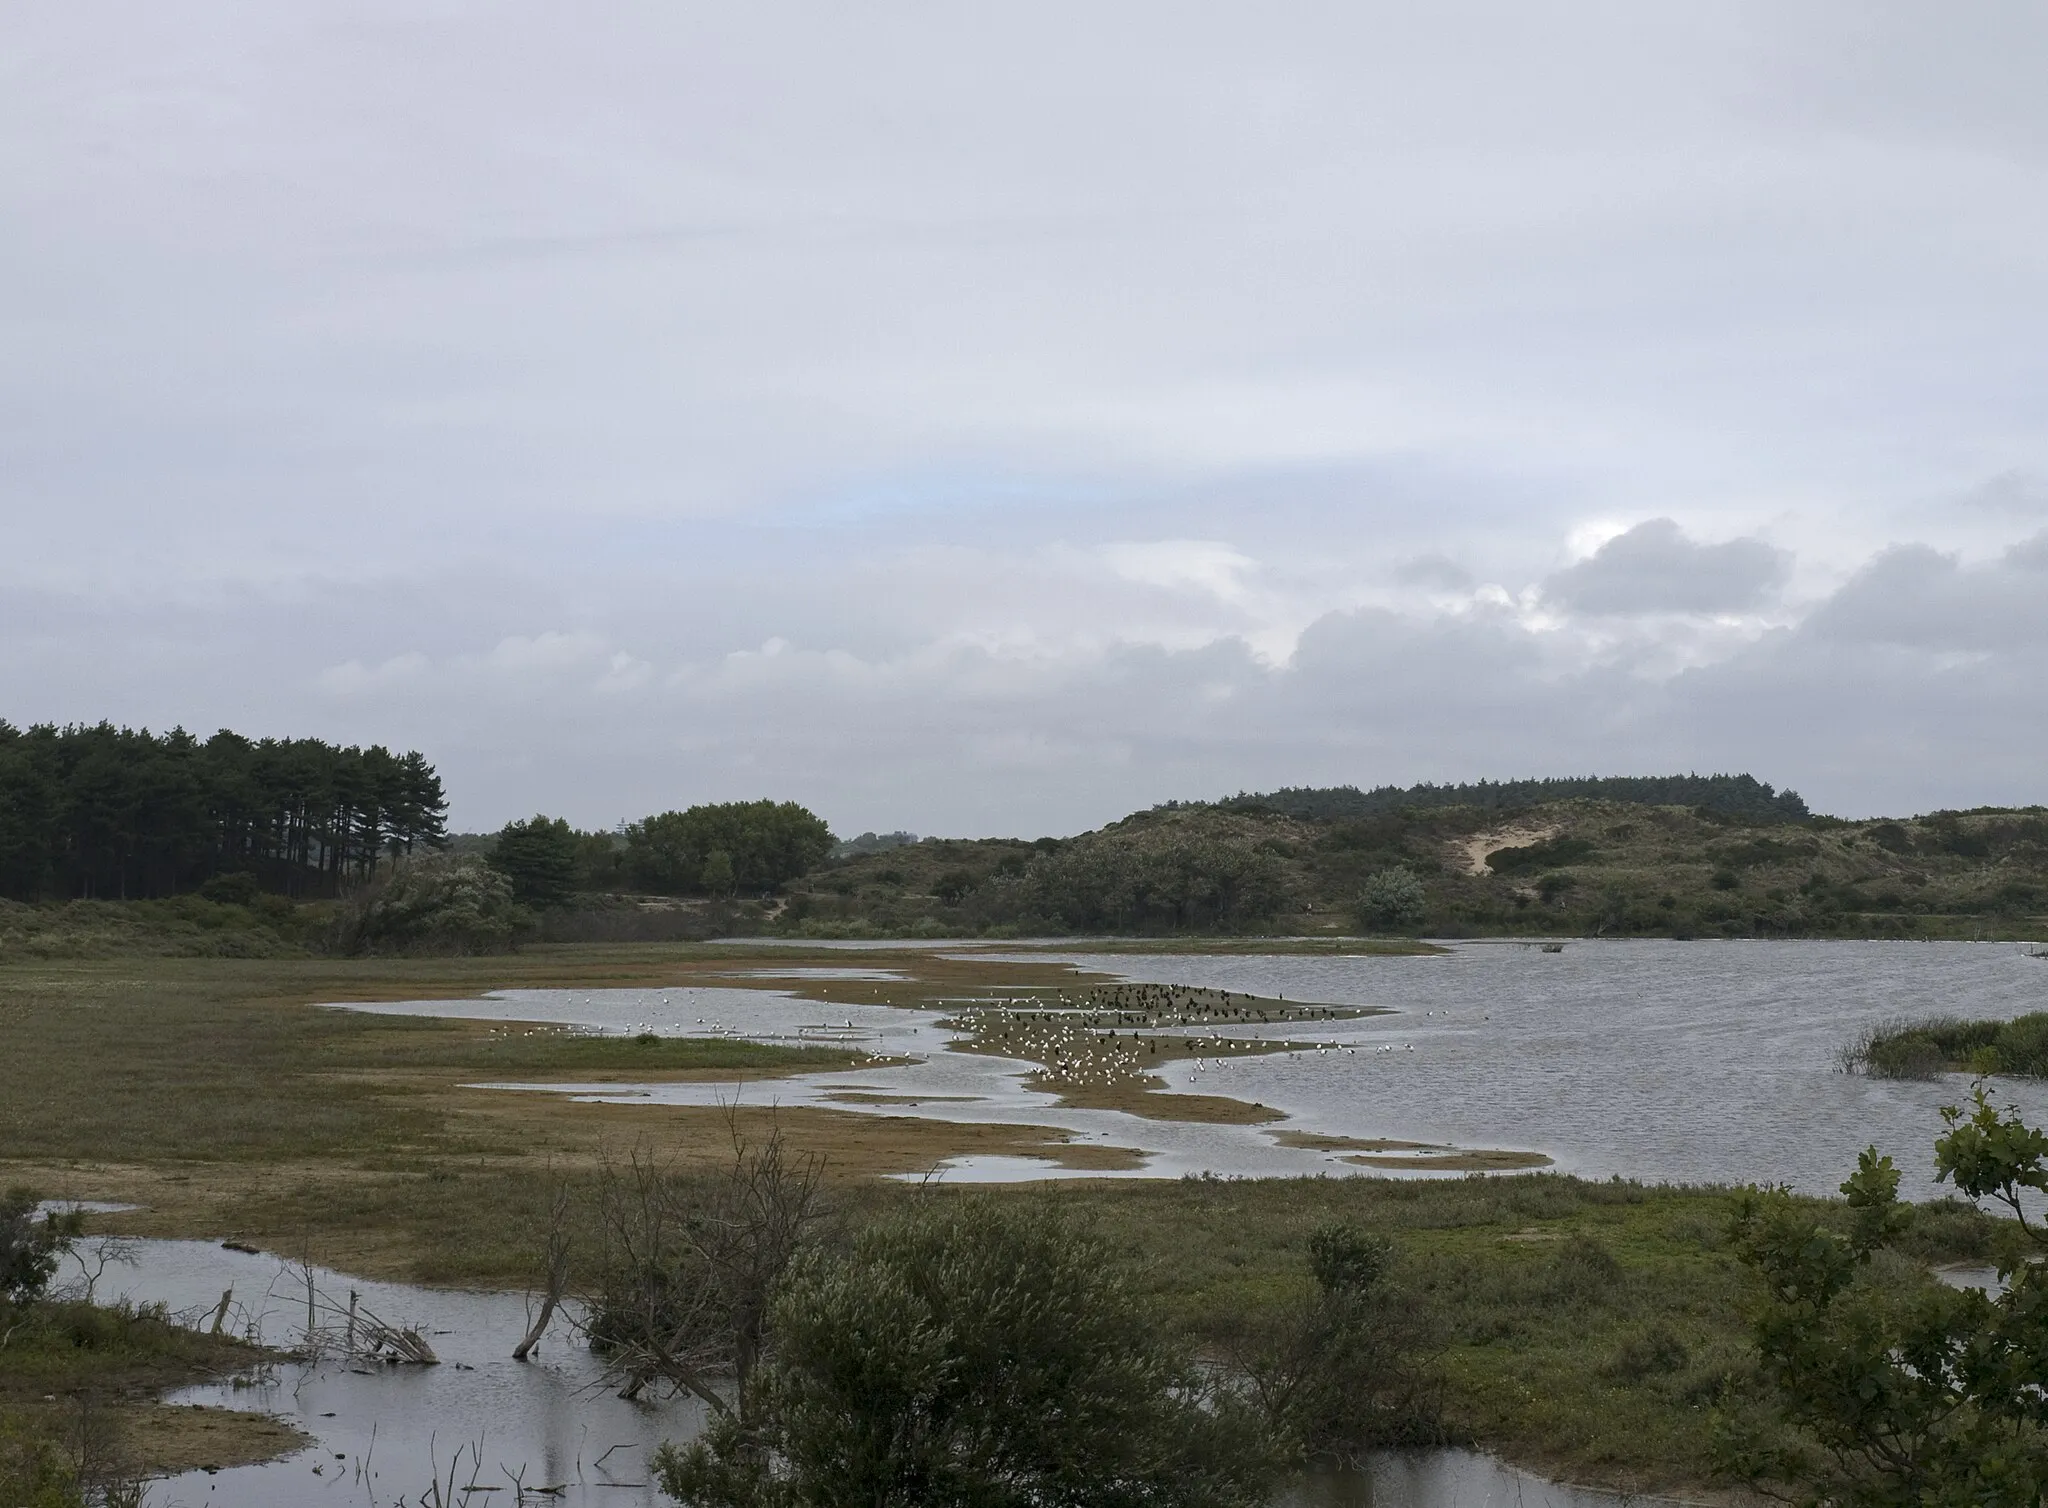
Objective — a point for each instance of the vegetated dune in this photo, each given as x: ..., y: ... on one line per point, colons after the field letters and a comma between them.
x: 1579, y: 867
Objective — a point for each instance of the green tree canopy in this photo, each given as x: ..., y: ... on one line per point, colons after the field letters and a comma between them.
x: 541, y: 857
x: 1742, y: 797
x: 121, y: 813
x: 767, y: 843
x: 972, y: 1353
x: 1151, y: 873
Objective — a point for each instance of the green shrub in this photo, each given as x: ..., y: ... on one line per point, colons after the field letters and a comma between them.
x: 438, y: 904
x: 1551, y: 853
x: 1392, y: 900
x: 972, y: 1353
x: 31, y: 1245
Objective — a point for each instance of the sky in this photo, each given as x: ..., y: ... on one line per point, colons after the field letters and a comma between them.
x: 994, y: 419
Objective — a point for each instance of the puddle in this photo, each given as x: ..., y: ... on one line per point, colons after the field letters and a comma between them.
x: 996, y: 1168
x: 1686, y: 1062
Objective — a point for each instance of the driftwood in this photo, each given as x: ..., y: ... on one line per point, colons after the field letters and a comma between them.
x: 220, y: 1315
x: 360, y: 1332
x: 402, y: 1344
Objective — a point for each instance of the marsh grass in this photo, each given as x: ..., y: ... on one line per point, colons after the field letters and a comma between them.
x: 1584, y: 1328
x: 78, y: 1390
x: 1921, y: 1048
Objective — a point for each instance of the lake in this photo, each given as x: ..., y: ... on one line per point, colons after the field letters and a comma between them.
x: 1689, y: 1062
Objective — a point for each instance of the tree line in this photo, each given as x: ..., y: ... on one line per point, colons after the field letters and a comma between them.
x: 719, y: 849
x: 1743, y: 797
x: 124, y: 814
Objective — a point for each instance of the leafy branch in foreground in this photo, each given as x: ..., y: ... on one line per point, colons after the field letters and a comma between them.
x: 1882, y: 1387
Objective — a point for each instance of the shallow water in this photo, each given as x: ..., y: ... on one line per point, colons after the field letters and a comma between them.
x: 384, y: 1432
x: 1664, y: 1061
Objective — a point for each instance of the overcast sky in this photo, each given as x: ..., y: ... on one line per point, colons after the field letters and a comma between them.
x: 990, y: 419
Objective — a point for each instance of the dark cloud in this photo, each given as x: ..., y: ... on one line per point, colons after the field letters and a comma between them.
x: 1914, y: 686
x: 1655, y: 568
x: 1918, y: 598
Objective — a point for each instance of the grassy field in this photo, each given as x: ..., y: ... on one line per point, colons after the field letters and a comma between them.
x: 1584, y: 1328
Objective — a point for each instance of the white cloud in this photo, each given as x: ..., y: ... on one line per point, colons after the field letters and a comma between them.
x: 1196, y: 564
x: 354, y: 678
x: 542, y: 653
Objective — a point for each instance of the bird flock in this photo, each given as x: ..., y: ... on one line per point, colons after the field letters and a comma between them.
x: 1116, y: 1035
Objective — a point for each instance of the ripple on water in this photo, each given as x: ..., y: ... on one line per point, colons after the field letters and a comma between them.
x: 1665, y: 1061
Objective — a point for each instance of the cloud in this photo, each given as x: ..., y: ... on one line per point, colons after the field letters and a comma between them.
x: 1655, y: 568
x: 784, y: 398
x: 1182, y: 564
x: 1916, y: 598
x: 1435, y: 572
x: 2011, y: 494
x: 1911, y: 686
x: 353, y: 678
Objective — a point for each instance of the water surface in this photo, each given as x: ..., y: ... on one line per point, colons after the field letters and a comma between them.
x: 1665, y: 1061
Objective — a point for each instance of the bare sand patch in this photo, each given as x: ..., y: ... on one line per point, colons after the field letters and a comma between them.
x: 1477, y: 850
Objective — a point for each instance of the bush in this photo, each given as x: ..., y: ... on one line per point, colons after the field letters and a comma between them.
x: 1550, y: 853
x: 1920, y: 1049
x: 237, y: 889
x: 1392, y: 901
x: 972, y: 1353
x: 1874, y: 1384
x: 437, y: 904
x: 1342, y: 1374
x: 31, y: 1245
x: 33, y: 1471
